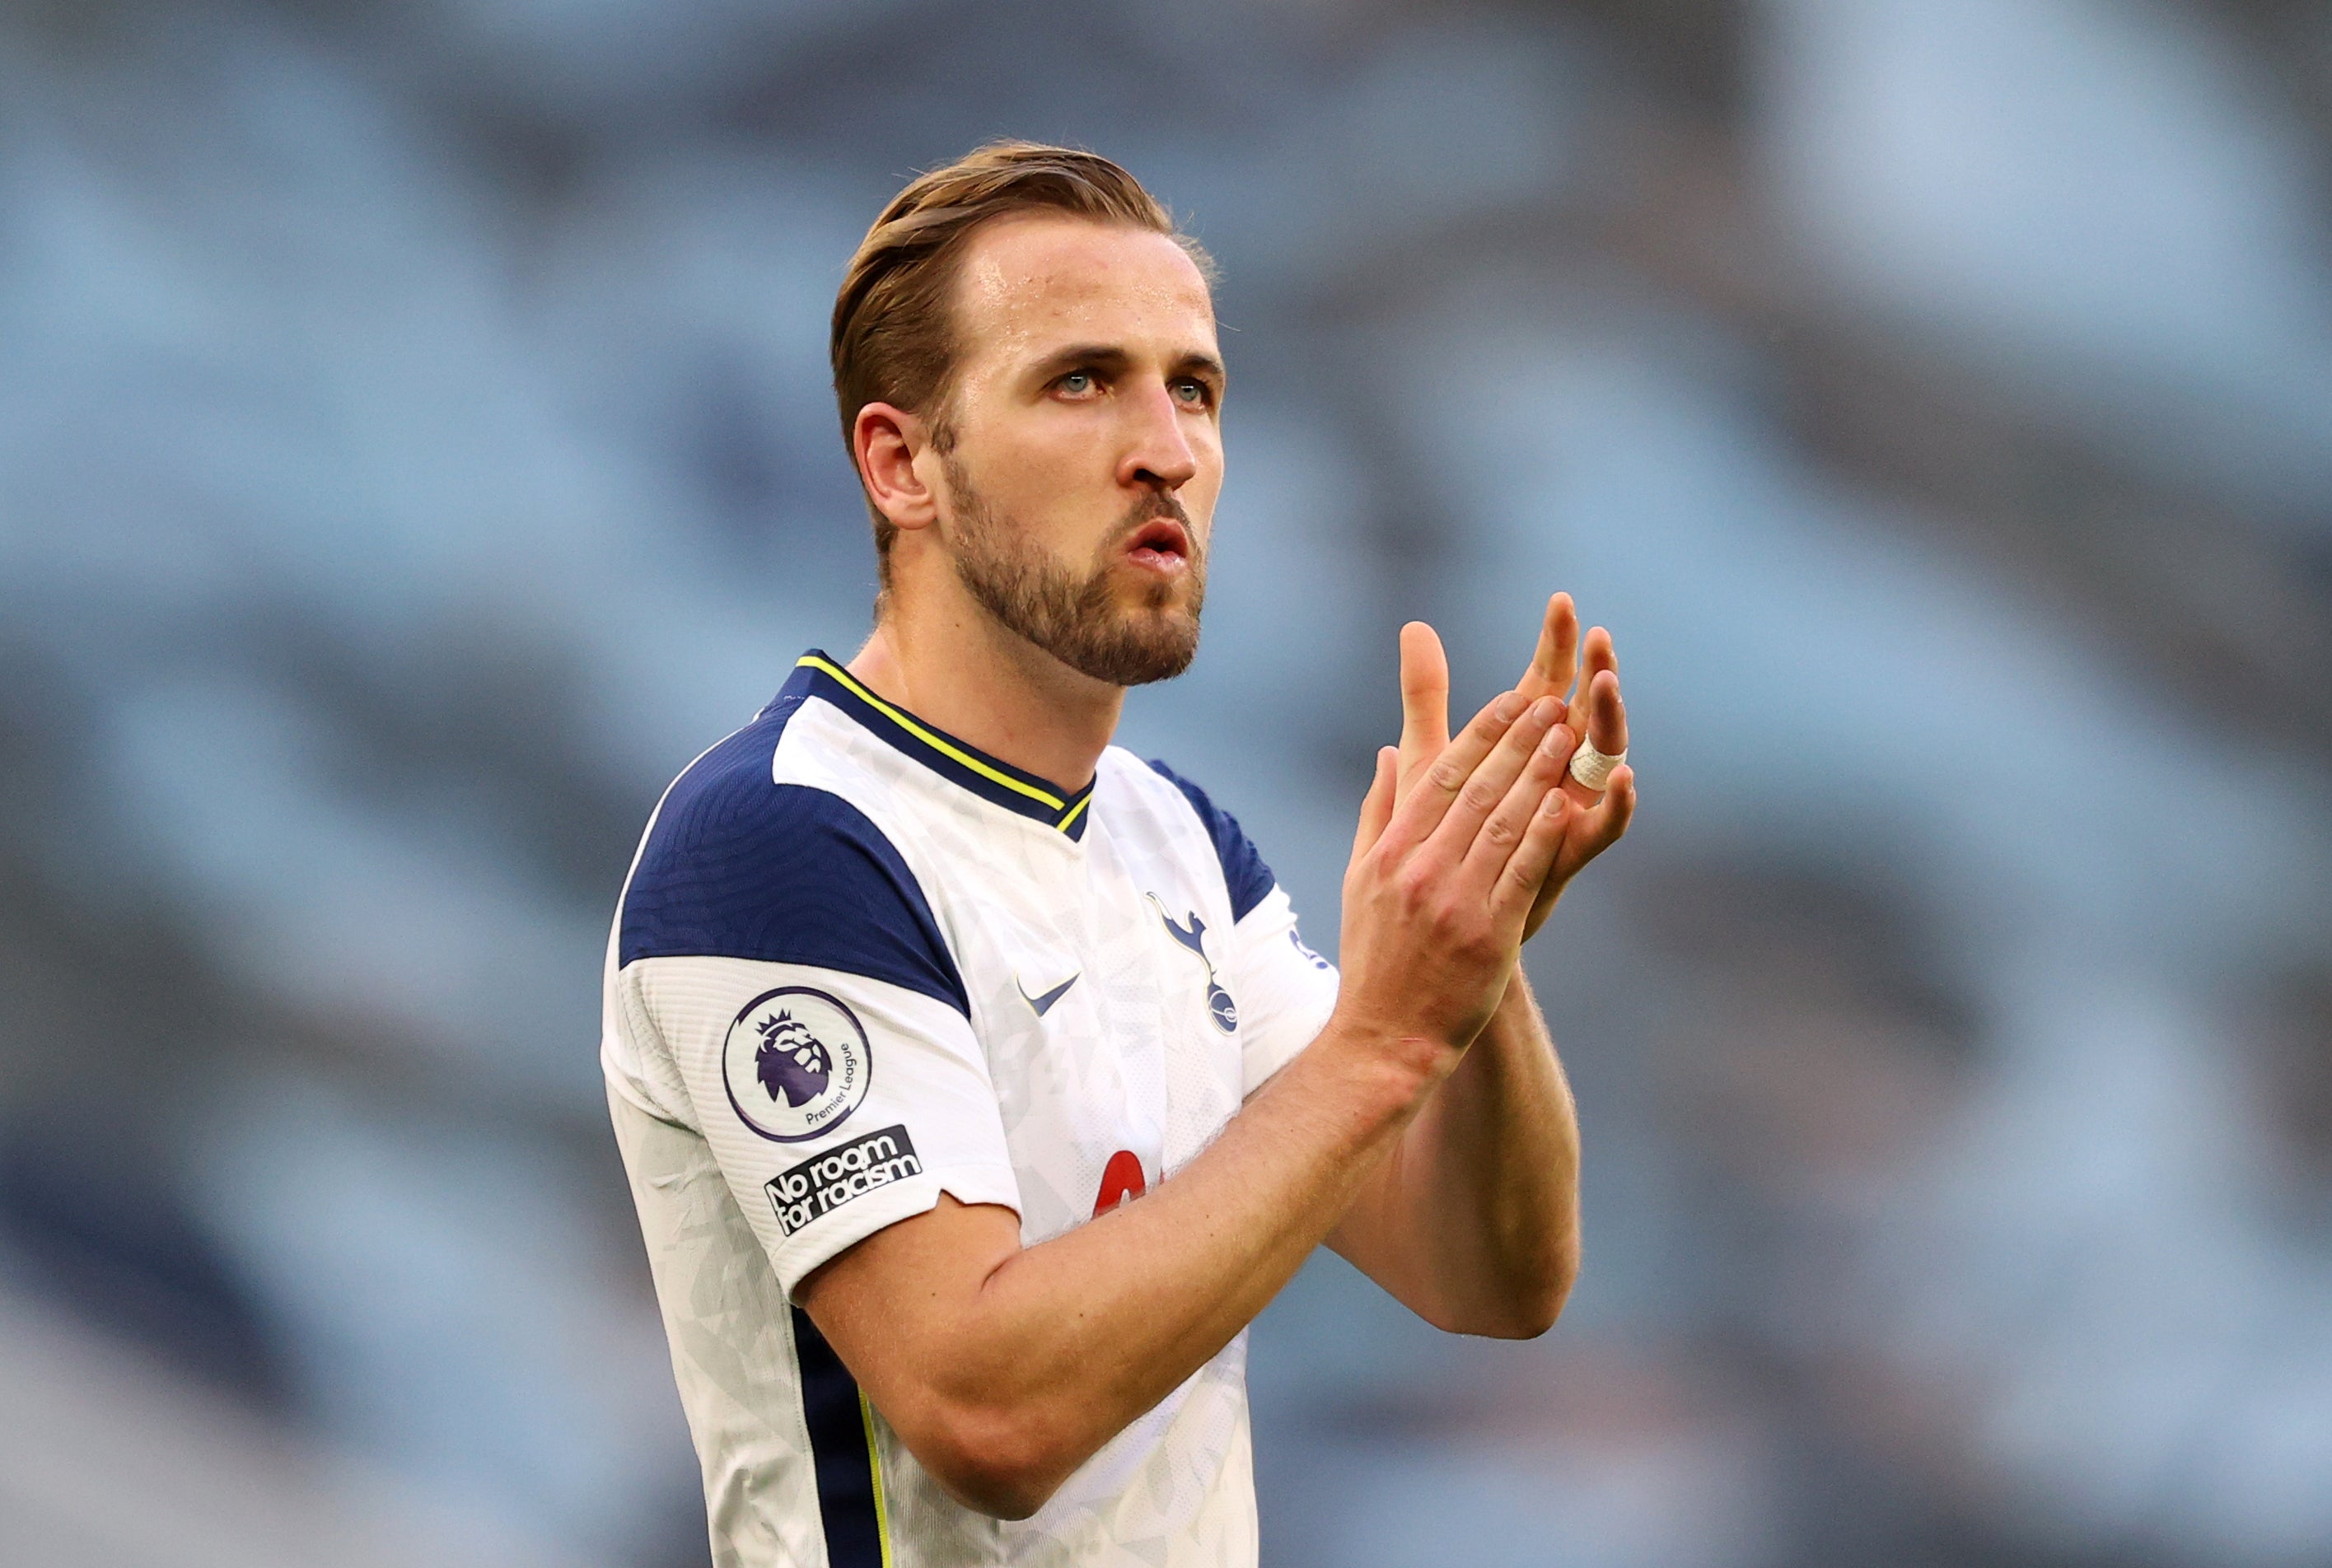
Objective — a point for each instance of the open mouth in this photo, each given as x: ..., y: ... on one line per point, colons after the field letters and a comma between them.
x: 1161, y: 543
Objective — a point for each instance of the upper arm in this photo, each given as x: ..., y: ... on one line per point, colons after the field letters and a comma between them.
x: 833, y: 1105
x: 789, y: 967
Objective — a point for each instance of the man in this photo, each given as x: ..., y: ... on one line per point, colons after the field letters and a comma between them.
x: 917, y: 981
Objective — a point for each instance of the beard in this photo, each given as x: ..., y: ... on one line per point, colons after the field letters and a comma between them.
x: 1076, y: 619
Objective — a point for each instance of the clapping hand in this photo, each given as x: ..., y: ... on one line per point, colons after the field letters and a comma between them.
x: 1586, y: 681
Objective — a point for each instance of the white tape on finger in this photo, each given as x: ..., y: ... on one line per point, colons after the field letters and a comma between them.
x: 1593, y: 768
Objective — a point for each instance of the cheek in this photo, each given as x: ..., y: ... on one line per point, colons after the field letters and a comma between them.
x: 1015, y: 473
x: 1199, y: 496
x: 1045, y: 449
x: 1050, y: 508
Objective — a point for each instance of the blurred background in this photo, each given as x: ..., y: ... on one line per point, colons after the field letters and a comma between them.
x: 416, y: 444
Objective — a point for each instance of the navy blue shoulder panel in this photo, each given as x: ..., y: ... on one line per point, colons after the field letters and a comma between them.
x: 738, y: 865
x: 1244, y: 873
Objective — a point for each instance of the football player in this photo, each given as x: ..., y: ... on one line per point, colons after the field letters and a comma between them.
x: 976, y: 1085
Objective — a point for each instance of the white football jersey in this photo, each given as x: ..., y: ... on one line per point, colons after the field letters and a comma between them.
x: 858, y: 963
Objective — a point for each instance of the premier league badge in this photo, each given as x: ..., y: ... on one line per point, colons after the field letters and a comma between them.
x: 796, y: 1064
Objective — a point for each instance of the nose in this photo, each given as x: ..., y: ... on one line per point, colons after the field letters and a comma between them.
x: 1159, y: 455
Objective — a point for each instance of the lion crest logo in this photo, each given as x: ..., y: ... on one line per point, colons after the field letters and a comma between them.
x: 796, y: 1063
x: 791, y: 1061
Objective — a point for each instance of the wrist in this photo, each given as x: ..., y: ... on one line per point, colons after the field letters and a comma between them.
x: 1404, y: 1063
x: 1515, y: 1000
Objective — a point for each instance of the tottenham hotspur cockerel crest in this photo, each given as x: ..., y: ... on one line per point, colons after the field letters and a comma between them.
x: 1190, y: 932
x: 796, y: 1063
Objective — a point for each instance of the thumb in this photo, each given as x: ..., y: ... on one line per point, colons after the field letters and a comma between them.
x: 1424, y: 700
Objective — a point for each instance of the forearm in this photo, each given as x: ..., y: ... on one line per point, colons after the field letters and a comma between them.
x: 1059, y: 1346
x: 1003, y: 1368
x: 1473, y: 1219
x: 1156, y: 1288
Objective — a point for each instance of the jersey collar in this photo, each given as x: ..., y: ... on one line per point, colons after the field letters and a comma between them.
x: 989, y: 777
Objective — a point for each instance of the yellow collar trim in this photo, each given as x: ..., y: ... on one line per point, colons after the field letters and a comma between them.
x: 945, y: 747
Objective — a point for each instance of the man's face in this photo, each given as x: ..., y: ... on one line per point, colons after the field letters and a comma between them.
x: 1082, y: 451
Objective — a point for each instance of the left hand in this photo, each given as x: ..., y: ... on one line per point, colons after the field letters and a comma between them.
x: 1592, y: 821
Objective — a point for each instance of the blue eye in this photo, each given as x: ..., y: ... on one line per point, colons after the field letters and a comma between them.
x: 1191, y: 391
x: 1077, y: 381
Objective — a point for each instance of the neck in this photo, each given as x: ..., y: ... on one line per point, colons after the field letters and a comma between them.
x: 945, y: 659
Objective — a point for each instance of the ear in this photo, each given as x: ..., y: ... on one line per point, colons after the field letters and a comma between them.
x: 886, y: 442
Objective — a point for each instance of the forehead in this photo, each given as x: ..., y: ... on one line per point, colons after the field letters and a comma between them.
x: 1034, y: 281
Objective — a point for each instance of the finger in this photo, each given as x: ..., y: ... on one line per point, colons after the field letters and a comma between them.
x: 1606, y: 727
x: 1496, y: 774
x: 1596, y: 655
x: 1376, y: 805
x: 1424, y: 700
x: 1617, y: 809
x: 1527, y: 870
x: 1556, y: 663
x: 1600, y: 826
x: 1502, y: 829
x: 1607, y: 715
x: 1589, y: 829
x: 1425, y: 798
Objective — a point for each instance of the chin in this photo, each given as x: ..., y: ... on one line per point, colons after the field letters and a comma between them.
x: 1172, y: 644
x: 1145, y: 646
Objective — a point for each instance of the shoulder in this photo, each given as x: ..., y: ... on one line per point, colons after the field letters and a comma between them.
x: 739, y: 864
x: 1248, y: 879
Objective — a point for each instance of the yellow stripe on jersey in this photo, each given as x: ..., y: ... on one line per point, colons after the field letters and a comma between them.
x: 945, y: 748
x: 875, y: 1463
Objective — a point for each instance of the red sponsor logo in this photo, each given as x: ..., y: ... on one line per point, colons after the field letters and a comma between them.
x: 1120, y: 1179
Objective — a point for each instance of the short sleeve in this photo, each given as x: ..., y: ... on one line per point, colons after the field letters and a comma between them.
x: 835, y: 1103
x: 1285, y: 990
x: 737, y: 865
x: 778, y: 954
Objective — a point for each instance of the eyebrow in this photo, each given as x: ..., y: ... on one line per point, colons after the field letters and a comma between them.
x: 1105, y: 357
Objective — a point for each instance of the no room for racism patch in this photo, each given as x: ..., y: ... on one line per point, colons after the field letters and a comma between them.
x: 819, y: 1186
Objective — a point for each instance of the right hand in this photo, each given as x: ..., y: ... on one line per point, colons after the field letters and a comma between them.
x: 1449, y: 862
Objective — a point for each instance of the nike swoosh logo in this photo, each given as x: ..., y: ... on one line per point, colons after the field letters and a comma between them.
x: 1043, y: 1004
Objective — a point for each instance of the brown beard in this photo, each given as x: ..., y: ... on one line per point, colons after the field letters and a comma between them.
x: 1077, y: 621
